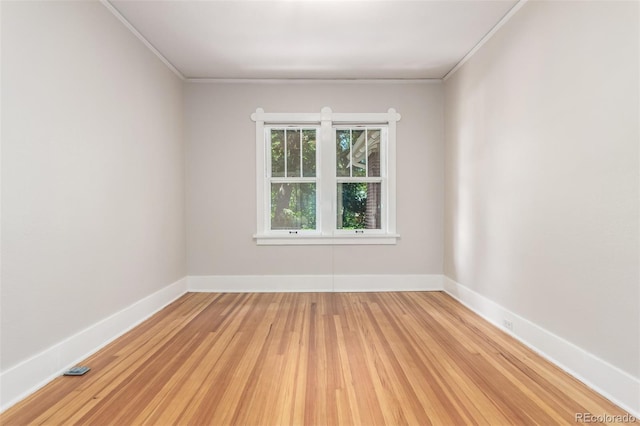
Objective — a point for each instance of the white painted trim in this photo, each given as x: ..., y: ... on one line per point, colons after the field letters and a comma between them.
x: 261, y: 169
x: 391, y: 116
x: 140, y: 37
x: 314, y: 81
x: 313, y: 283
x: 28, y: 376
x: 320, y: 239
x: 486, y: 38
x: 390, y: 182
x: 325, y: 114
x: 618, y: 386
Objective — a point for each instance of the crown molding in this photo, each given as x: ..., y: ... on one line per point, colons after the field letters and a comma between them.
x: 486, y: 38
x: 315, y: 80
x: 107, y: 4
x: 140, y: 37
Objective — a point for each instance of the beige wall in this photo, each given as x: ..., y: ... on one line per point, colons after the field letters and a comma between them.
x: 542, y: 176
x: 221, y: 200
x: 92, y: 172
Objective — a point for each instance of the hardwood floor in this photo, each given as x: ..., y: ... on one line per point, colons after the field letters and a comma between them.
x: 414, y: 358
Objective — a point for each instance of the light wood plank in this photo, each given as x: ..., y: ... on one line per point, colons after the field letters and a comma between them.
x: 415, y: 358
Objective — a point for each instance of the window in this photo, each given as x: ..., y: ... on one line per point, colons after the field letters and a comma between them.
x: 325, y: 178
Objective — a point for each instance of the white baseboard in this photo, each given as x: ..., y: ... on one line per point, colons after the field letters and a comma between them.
x: 313, y: 283
x: 618, y: 386
x: 28, y: 376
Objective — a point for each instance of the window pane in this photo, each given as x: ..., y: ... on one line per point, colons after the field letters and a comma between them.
x: 293, y: 206
x: 293, y: 153
x: 373, y: 156
x: 309, y: 153
x: 343, y: 149
x: 359, y: 205
x: 358, y: 153
x: 277, y: 153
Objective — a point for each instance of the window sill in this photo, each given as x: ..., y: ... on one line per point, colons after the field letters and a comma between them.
x: 301, y: 240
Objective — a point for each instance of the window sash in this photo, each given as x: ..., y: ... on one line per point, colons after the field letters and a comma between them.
x: 269, y: 180
x: 286, y: 158
x: 367, y: 130
x: 382, y: 179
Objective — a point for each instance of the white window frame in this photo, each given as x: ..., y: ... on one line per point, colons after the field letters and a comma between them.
x: 326, y: 187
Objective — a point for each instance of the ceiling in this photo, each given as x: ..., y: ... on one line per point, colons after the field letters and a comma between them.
x: 313, y: 39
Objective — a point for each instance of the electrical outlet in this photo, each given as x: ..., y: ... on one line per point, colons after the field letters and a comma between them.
x: 508, y: 324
